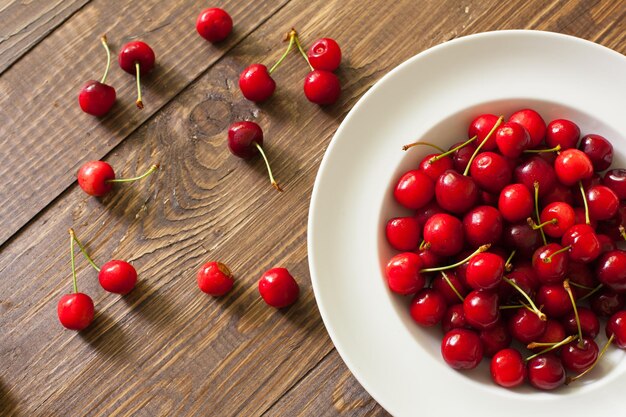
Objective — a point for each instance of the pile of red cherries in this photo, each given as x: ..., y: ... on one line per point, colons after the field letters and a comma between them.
x: 511, y: 248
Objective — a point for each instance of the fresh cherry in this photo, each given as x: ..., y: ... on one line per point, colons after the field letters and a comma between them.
x: 96, y: 178
x: 256, y: 83
x: 428, y: 307
x: 611, y: 270
x: 495, y: 339
x: 403, y: 273
x: 481, y: 309
x: 533, y: 123
x: 515, y: 203
x: 578, y: 355
x: 480, y: 127
x: 599, y: 150
x: 589, y: 323
x: 214, y: 278
x: 414, y: 189
x: 214, y: 24
x: 403, y: 233
x: 322, y: 87
x: 603, y: 202
x: 526, y: 326
x: 97, y: 97
x: 607, y: 302
x: 546, y: 372
x: 424, y: 213
x: 444, y: 233
x: 616, y: 326
x: 455, y: 192
x: 557, y: 218
x: 454, y: 318
x: 450, y: 288
x: 563, y: 133
x: 325, y: 54
x: 508, y: 368
x: 462, y: 349
x: 550, y: 262
x: 572, y: 166
x: 583, y: 242
x: 512, y: 139
x: 555, y: 300
x: 75, y: 311
x: 485, y: 271
x: 434, y: 167
x: 615, y: 179
x: 553, y: 334
x: 482, y: 225
x: 491, y: 171
x: 522, y: 237
x: 536, y: 169
x: 278, y: 288
x: 118, y: 277
x: 137, y: 58
x: 462, y: 154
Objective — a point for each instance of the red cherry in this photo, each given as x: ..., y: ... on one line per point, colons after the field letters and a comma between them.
x: 572, y: 166
x: 563, y: 216
x: 515, y: 203
x: 532, y: 122
x: 461, y: 349
x: 96, y: 97
x: 560, y: 193
x: 75, y: 311
x: 322, y: 87
x: 555, y: 300
x: 585, y: 246
x: 403, y: 273
x: 550, y: 266
x: 512, y: 139
x: 403, y: 233
x: 444, y: 233
x: 435, y: 168
x: 599, y: 150
x: 214, y: 24
x: 611, y: 270
x: 480, y: 127
x: 526, y: 326
x: 278, y: 288
x: 546, y: 372
x: 554, y: 333
x: 485, y: 271
x: 426, y: 212
x: 522, y: 237
x: 580, y: 274
x: 606, y: 243
x: 510, y: 295
x: 603, y: 202
x: 414, y: 189
x: 136, y: 58
x: 94, y: 178
x: 490, y: 171
x: 427, y: 307
x: 616, y: 326
x: 495, y: 339
x: 454, y: 318
x: 615, y: 179
x: 428, y: 258
x: 325, y: 54
x: 462, y: 156
x: 589, y: 323
x: 118, y: 277
x: 607, y: 302
x: 455, y: 192
x: 563, y: 133
x: 256, y: 83
x: 578, y: 356
x: 508, y: 368
x: 482, y: 225
x: 441, y: 285
x: 481, y: 309
x: 214, y: 278
x: 535, y: 169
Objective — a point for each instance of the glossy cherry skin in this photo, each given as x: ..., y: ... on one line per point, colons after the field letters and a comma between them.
x: 616, y: 326
x: 403, y: 233
x: 512, y: 139
x: 508, y: 294
x: 562, y: 213
x: 322, y: 87
x: 462, y: 349
x: 403, y: 273
x: 214, y: 24
x: 578, y: 358
x: 562, y: 132
x: 585, y: 246
x: 242, y: 137
x: 96, y: 98
x: 560, y: 193
x: 424, y: 213
x: 480, y: 127
x: 606, y: 243
x: 522, y: 237
x: 444, y: 233
x: 485, y: 271
x: 414, y: 189
x: 581, y: 274
x: 118, y: 277
x: 495, y: 339
x: 454, y: 318
x: 610, y: 227
x: 615, y: 179
x: 526, y: 326
x: 572, y: 166
x: 515, y: 203
x: 441, y: 285
x: 555, y: 300
x: 491, y: 171
x: 75, y: 311
x: 536, y: 169
x: 429, y: 258
x: 599, y: 150
x: 462, y: 156
x: 603, y: 202
x: 611, y: 270
x: 214, y: 278
x: 607, y: 302
x: 256, y: 83
x: 456, y: 193
x: 133, y: 52
x: 433, y: 168
x: 278, y: 288
x: 481, y: 309
x: 482, y: 225
x: 427, y: 307
x: 546, y: 372
x: 508, y: 368
x: 532, y: 122
x: 325, y: 54
x: 554, y: 270
x: 94, y: 176
x: 554, y: 333
x: 589, y: 323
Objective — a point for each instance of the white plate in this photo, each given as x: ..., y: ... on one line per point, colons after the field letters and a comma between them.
x: 434, y: 96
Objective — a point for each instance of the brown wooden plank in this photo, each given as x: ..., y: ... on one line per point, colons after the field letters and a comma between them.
x: 41, y: 122
x: 166, y: 349
x: 26, y: 23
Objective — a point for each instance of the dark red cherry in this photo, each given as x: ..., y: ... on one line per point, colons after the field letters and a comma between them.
x: 589, y: 323
x: 435, y: 168
x: 414, y: 189
x: 455, y: 192
x: 96, y: 98
x: 444, y: 233
x: 441, y: 285
x: 403, y: 273
x: 512, y: 139
x: 481, y: 309
x: 214, y: 24
x: 485, y: 271
x: 515, y: 203
x: 562, y: 132
x: 533, y: 123
x: 550, y: 267
x: 607, y: 302
x: 427, y: 307
x: 509, y: 295
x: 256, y: 83
x: 522, y: 237
x: 462, y: 156
x: 563, y: 216
x: 606, y: 243
x: 424, y: 213
x: 322, y: 87
x: 603, y: 202
x: 495, y: 339
x: 616, y: 326
x: 560, y: 193
x: 615, y: 179
x: 454, y: 318
x: 580, y: 275
x: 429, y: 258
x: 490, y: 171
x: 403, y: 233
x: 480, y: 127
x: 572, y: 166
x: 526, y: 326
x: 136, y: 52
x: 536, y: 169
x: 555, y: 300
x: 462, y: 349
x: 611, y: 226
x: 325, y: 54
x: 546, y: 372
x: 554, y: 333
x: 578, y: 356
x: 611, y: 270
x: 508, y: 368
x: 243, y: 137
x: 599, y: 150
x: 482, y: 225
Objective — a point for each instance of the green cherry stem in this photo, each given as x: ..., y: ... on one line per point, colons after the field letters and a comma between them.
x: 481, y: 249
x: 590, y: 293
x: 536, y: 226
x: 269, y: 170
x: 582, y: 287
x: 83, y: 250
x: 548, y: 259
x: 410, y: 145
x: 139, y: 101
x: 622, y: 232
x: 571, y: 297
x: 582, y: 191
x: 555, y: 149
x: 552, y: 347
x: 479, y: 147
x: 73, y: 263
x: 533, y: 307
x: 306, y: 58
x: 292, y: 36
x: 152, y: 168
x: 103, y: 39
x: 453, y: 150
x: 507, y: 264
x: 458, y: 294
x: 536, y: 187
x: 569, y: 380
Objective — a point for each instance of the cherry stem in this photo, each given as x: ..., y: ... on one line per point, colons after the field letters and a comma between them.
x: 269, y: 170
x: 571, y: 297
x: 481, y: 249
x: 295, y: 37
x: 507, y: 264
x: 152, y: 168
x: 139, y: 102
x: 410, y: 145
x: 586, y: 371
x: 453, y: 150
x: 549, y: 258
x: 555, y: 149
x: 103, y: 39
x: 536, y: 187
x: 83, y: 250
x: 512, y: 307
x: 584, y: 287
x: 424, y: 245
x: 622, y: 232
x: 443, y: 274
x: 73, y: 263
x: 479, y: 147
x: 533, y: 308
x: 582, y: 191
x: 292, y: 36
x: 590, y: 293
x: 536, y: 226
x: 554, y: 346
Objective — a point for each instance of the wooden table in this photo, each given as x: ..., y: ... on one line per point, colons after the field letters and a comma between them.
x: 166, y: 348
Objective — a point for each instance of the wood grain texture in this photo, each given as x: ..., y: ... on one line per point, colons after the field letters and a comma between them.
x: 25, y: 23
x: 166, y: 348
x: 41, y: 122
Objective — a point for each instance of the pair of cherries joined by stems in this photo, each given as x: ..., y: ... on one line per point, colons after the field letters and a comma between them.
x: 136, y: 58
x: 321, y: 85
x: 516, y: 189
x: 76, y: 309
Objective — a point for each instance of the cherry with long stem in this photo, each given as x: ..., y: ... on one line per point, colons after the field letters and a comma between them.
x: 152, y: 168
x: 571, y: 379
x: 584, y: 195
x: 481, y: 249
x: 72, y: 262
x: 507, y: 264
x: 292, y: 36
x: 432, y: 145
x: 543, y: 235
x: 453, y: 150
x: 83, y: 250
x: 550, y: 348
x: 571, y: 297
x: 533, y: 307
x: 557, y: 148
x: 548, y: 259
x: 269, y: 169
x: 139, y: 101
x: 445, y: 277
x: 482, y: 143
x: 103, y: 39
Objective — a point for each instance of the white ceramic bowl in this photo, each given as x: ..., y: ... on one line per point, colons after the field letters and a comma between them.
x: 433, y: 96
